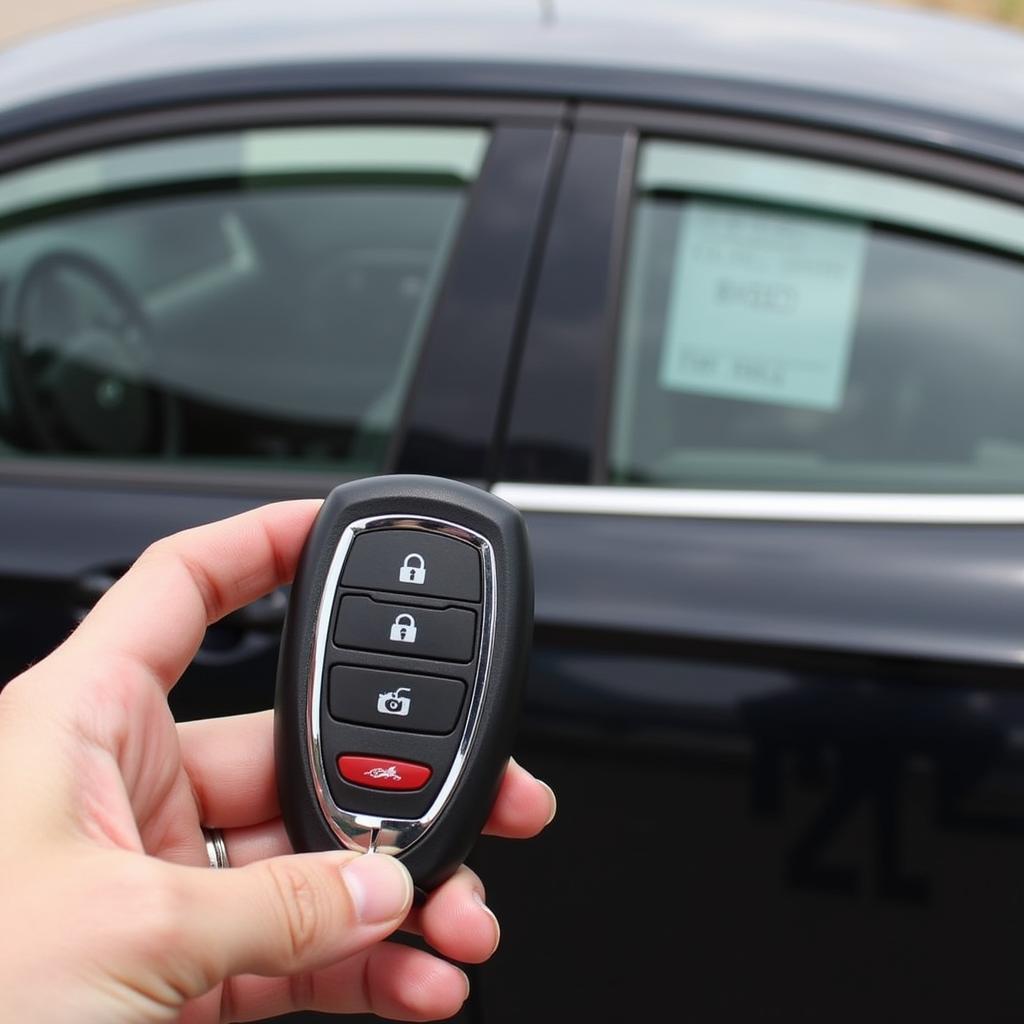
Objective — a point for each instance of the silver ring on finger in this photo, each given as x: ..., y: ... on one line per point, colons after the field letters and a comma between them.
x: 216, y: 849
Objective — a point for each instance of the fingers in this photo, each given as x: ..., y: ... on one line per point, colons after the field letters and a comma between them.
x: 287, y: 915
x: 456, y: 920
x: 157, y: 613
x: 389, y: 980
x: 524, y: 805
x: 230, y: 762
x: 257, y: 842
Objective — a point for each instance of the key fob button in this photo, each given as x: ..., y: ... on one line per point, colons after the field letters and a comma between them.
x: 383, y: 772
x: 445, y: 634
x: 395, y: 700
x: 414, y: 562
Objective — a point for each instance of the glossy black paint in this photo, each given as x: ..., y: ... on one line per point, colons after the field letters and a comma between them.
x: 555, y: 414
x: 750, y: 842
x: 789, y: 755
x: 55, y: 540
x: 457, y: 395
x: 782, y: 835
x: 949, y: 595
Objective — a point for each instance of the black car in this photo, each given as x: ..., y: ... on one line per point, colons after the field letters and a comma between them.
x: 729, y: 299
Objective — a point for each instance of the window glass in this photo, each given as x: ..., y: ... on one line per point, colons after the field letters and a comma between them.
x: 791, y: 325
x: 254, y: 298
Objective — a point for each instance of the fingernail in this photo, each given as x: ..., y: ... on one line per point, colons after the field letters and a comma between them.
x: 465, y: 978
x: 380, y: 887
x: 554, y: 802
x: 490, y: 913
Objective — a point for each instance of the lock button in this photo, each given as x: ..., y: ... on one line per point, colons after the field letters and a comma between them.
x: 403, y: 629
x: 445, y: 634
x: 413, y: 569
x: 413, y: 561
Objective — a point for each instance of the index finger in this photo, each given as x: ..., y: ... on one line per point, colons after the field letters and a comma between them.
x: 157, y: 613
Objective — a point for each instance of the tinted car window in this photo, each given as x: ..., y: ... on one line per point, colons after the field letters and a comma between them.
x: 254, y: 298
x: 790, y: 325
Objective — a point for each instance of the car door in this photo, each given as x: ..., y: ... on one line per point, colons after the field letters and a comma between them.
x: 219, y: 304
x: 767, y: 434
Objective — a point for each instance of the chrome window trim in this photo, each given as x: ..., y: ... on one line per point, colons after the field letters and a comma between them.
x: 785, y: 506
x: 367, y: 832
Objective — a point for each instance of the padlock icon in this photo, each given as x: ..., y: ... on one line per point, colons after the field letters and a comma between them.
x: 404, y: 631
x: 412, y: 573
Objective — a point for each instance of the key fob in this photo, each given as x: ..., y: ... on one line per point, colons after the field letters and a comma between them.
x: 401, y: 673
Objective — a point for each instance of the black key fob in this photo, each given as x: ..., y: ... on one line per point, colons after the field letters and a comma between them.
x: 402, y: 667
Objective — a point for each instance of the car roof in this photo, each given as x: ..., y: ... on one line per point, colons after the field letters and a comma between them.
x: 910, y: 59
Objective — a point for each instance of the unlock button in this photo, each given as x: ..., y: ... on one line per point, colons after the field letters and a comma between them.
x: 445, y: 634
x: 394, y: 700
x: 404, y: 629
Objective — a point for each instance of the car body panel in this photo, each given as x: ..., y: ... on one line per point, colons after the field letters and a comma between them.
x: 783, y: 726
x: 789, y: 59
x: 948, y: 595
x: 797, y: 43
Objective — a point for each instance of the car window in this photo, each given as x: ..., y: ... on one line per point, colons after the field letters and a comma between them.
x: 255, y: 298
x: 794, y: 325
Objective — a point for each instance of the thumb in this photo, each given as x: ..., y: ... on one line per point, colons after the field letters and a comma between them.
x: 289, y: 915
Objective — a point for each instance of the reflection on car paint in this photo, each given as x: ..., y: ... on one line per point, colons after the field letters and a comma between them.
x: 824, y: 753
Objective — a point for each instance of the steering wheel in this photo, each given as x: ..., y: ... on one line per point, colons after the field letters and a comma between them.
x: 77, y: 354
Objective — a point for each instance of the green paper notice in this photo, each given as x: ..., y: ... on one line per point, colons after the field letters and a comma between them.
x: 763, y: 304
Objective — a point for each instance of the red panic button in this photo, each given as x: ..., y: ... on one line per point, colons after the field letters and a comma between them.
x: 383, y: 772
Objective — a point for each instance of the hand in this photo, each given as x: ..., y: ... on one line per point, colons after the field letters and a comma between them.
x: 110, y: 910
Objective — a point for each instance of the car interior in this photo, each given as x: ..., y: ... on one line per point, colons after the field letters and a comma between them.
x: 206, y: 320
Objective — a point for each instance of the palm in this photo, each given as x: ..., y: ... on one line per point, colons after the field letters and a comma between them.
x: 143, y: 799
x: 135, y: 791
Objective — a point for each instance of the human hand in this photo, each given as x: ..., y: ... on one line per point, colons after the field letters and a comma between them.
x: 111, y: 913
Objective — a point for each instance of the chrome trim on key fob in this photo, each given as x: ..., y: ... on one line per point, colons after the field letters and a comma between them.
x: 365, y: 832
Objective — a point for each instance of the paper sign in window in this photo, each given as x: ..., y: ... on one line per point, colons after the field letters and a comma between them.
x: 763, y: 304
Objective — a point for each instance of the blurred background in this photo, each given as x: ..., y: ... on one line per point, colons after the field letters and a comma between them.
x: 22, y: 19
